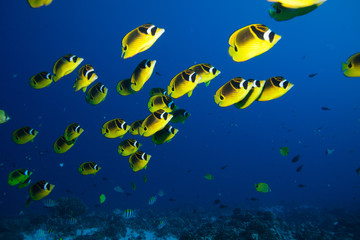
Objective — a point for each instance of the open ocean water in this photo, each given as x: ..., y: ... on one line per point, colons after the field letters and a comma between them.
x: 201, y: 184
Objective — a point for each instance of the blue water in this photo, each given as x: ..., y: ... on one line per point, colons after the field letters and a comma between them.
x: 246, y: 141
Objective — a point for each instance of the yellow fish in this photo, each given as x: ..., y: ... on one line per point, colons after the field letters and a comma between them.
x: 206, y: 71
x: 41, y: 80
x: 3, y: 117
x: 281, y: 13
x: 253, y: 94
x: 128, y: 147
x: 124, y: 87
x: 62, y: 146
x: 180, y: 115
x: 134, y: 128
x: 183, y: 83
x: 88, y: 168
x: 154, y: 122
x: 115, y: 128
x: 25, y: 183
x: 164, y: 135
x: 39, y: 3
x: 139, y: 160
x: 352, y: 66
x: 86, y: 76
x: 39, y: 190
x: 274, y: 87
x: 251, y: 41
x: 96, y: 94
x: 141, y: 74
x: 18, y: 176
x: 72, y: 132
x: 24, y: 135
x: 66, y: 65
x: 140, y: 39
x: 298, y: 3
x: 232, y: 92
x: 262, y: 187
x: 163, y: 102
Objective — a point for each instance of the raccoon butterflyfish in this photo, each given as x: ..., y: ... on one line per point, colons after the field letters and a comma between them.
x: 133, y: 186
x: 253, y: 94
x: 62, y: 146
x: 141, y: 74
x: 358, y: 171
x: 24, y: 135
x: 251, y: 41
x: 140, y: 39
x: 39, y: 3
x: 163, y: 102
x: 128, y: 147
x: 139, y: 160
x: 3, y: 117
x: 274, y: 87
x: 41, y: 80
x: 18, y: 176
x: 206, y: 71
x: 157, y: 91
x: 24, y: 183
x: 262, y: 187
x: 102, y: 198
x: 86, y: 76
x: 66, y: 65
x: 298, y: 3
x: 152, y: 200
x: 164, y: 135
x: 96, y: 94
x: 154, y: 122
x: 88, y: 168
x: 183, y: 83
x: 232, y: 92
x: 134, y: 128
x: 284, y: 151
x: 115, y: 128
x: 352, y: 66
x: 179, y: 115
x: 72, y: 132
x: 281, y: 13
x: 124, y: 87
x: 39, y: 190
x: 209, y: 176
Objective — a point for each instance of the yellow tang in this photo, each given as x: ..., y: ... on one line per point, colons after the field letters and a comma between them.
x: 88, y: 168
x: 206, y: 71
x: 262, y: 187
x: 24, y: 135
x: 66, y: 65
x: 251, y: 41
x: 128, y: 147
x: 86, y: 76
x: 96, y: 94
x: 18, y: 176
x: 41, y: 80
x: 232, y: 92
x: 72, y: 132
x: 298, y: 3
x: 139, y: 160
x: 62, y: 146
x: 134, y: 128
x: 154, y: 122
x: 253, y: 94
x: 39, y: 190
x: 274, y: 87
x: 281, y: 13
x: 140, y: 39
x: 183, y: 83
x: 163, y: 102
x: 141, y: 74
x: 352, y: 66
x: 102, y: 198
x: 3, y: 117
x: 115, y: 128
x: 164, y: 135
x: 124, y: 87
x: 180, y: 115
x: 39, y: 3
x: 157, y: 91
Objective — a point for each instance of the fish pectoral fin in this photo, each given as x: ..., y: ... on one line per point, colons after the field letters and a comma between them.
x: 84, y: 89
x: 207, y: 83
x: 190, y: 93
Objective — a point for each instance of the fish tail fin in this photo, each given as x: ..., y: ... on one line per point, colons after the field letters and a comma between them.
x: 28, y: 201
x: 344, y: 66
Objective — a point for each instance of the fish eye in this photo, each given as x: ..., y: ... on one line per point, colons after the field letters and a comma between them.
x: 173, y: 88
x: 75, y: 59
x: 235, y: 48
x: 350, y: 65
x: 257, y: 83
x: 192, y: 77
x: 245, y: 84
x: 148, y: 63
x: 284, y: 84
x: 121, y: 88
x: 145, y: 128
x: 271, y: 36
x: 221, y: 97
x: 172, y: 105
x: 125, y: 47
x: 172, y: 130
x: 90, y: 74
x: 107, y: 130
x: 213, y: 70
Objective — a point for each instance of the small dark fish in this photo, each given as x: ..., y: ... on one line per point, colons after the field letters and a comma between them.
x: 325, y: 108
x: 171, y: 199
x: 222, y: 206
x: 157, y: 73
x: 194, y: 211
x: 296, y: 158
x: 96, y: 205
x: 301, y: 185
x: 94, y: 185
x: 223, y: 167
x: 68, y: 191
x: 312, y: 75
x: 105, y: 179
x: 299, y: 168
x: 217, y: 201
x: 254, y: 199
x: 128, y: 194
x: 189, y: 171
x: 358, y: 171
